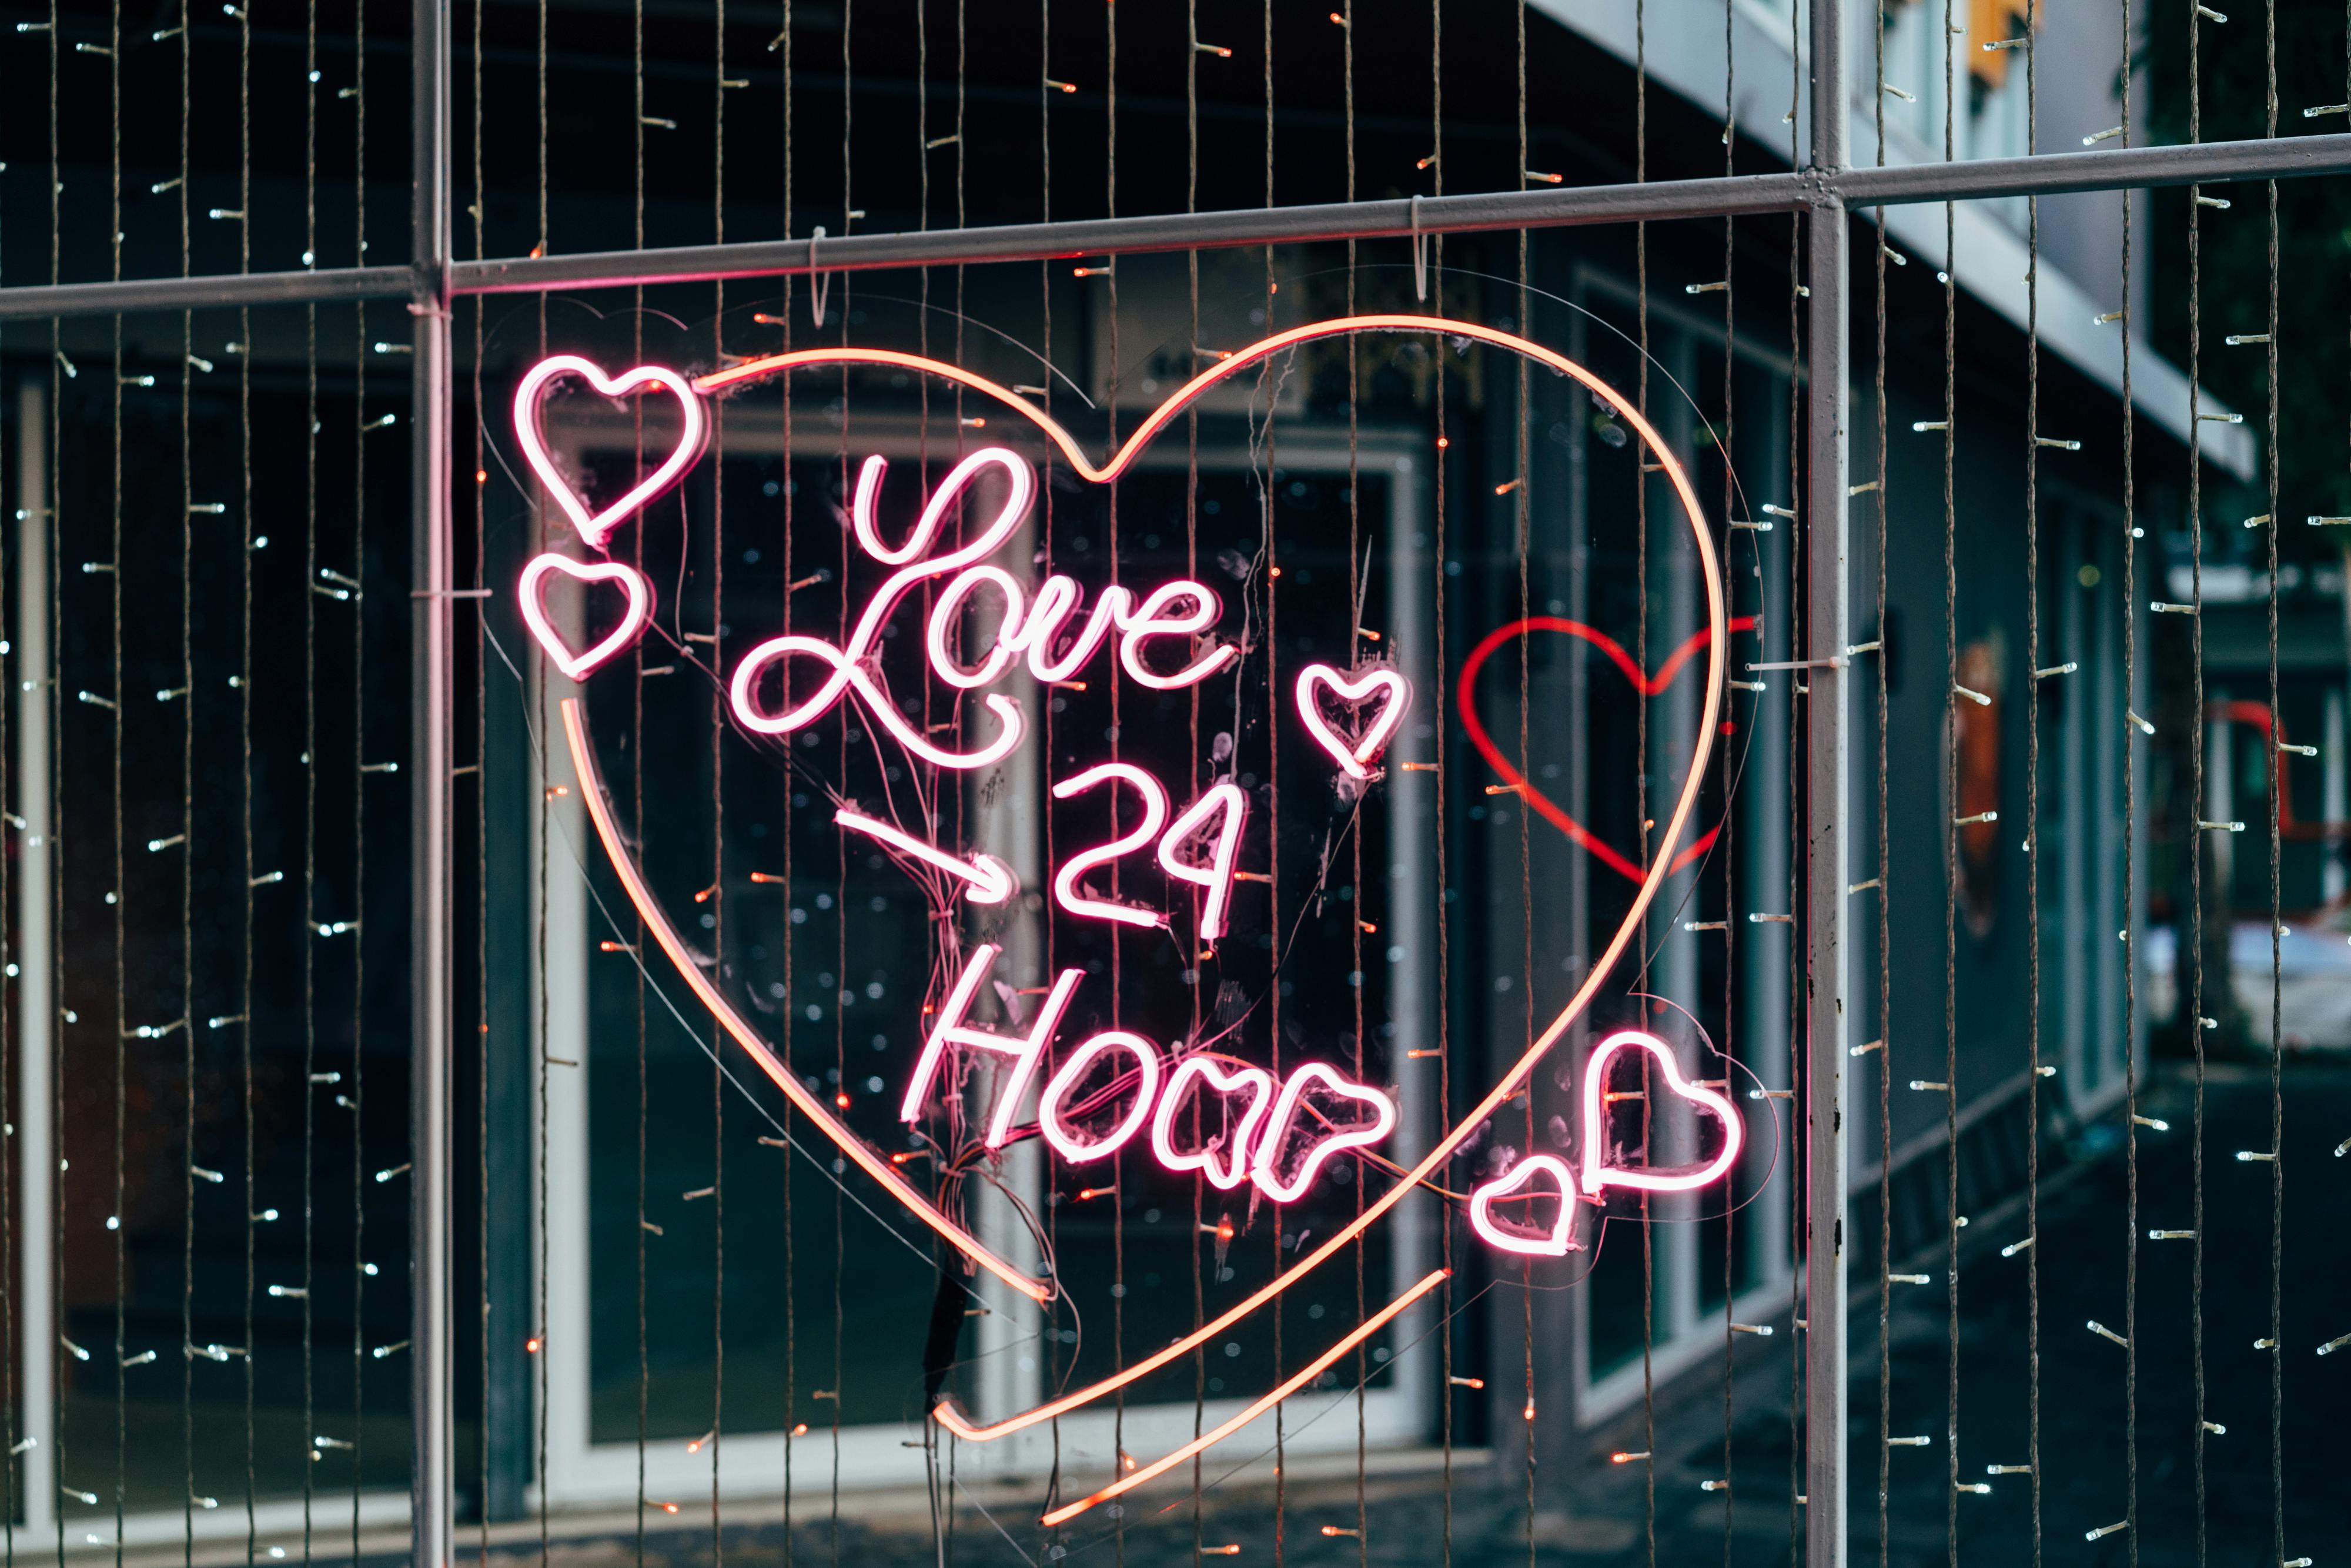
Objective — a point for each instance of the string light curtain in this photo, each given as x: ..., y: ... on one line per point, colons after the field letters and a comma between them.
x: 291, y: 885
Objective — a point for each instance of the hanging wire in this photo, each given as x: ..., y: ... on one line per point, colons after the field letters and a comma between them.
x: 1950, y: 832
x: 2130, y: 857
x: 1117, y: 968
x: 56, y: 781
x: 481, y: 766
x: 1640, y: 750
x: 792, y: 1426
x: 544, y: 805
x: 187, y: 834
x: 359, y: 347
x: 2032, y: 789
x: 1269, y: 393
x: 312, y: 1077
x: 719, y: 731
x: 1524, y: 482
x: 2196, y: 831
x: 244, y: 736
x: 1191, y: 570
x: 1436, y: 273
x: 1355, y: 609
x: 1884, y: 888
x: 121, y: 901
x: 2277, y: 756
x: 1730, y: 767
x: 1797, y: 986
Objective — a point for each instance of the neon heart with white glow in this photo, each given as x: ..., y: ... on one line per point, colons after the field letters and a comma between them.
x: 1117, y: 1088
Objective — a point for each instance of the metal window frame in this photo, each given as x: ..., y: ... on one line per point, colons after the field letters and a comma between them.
x: 1827, y: 189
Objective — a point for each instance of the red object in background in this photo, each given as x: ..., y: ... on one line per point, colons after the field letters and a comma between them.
x: 1647, y: 684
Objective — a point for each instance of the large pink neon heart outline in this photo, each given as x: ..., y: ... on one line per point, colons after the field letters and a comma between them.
x: 1598, y: 1174
x: 531, y: 594
x: 1446, y: 1147
x: 1560, y: 1239
x: 1355, y: 761
x: 595, y: 527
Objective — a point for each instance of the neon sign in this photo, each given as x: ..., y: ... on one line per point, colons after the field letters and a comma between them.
x: 1277, y: 1134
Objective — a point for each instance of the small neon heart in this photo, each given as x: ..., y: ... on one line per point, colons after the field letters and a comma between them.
x: 532, y: 594
x: 1560, y: 1240
x: 595, y: 527
x: 1264, y: 1167
x: 1354, y: 691
x: 1598, y: 1173
x: 1235, y: 1144
x: 1647, y: 684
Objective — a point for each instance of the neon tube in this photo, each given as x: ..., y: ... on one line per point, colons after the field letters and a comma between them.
x: 1066, y: 892
x: 657, y: 925
x: 530, y: 593
x: 1354, y: 759
x: 595, y: 527
x: 1648, y: 685
x: 1057, y: 602
x: 1228, y: 802
x: 1561, y: 1241
x: 1598, y: 1173
x: 1151, y: 618
x: 991, y: 879
x: 1295, y: 1381
x: 1262, y: 1169
x: 942, y: 625
x: 852, y: 665
x: 1675, y: 825
x: 1049, y: 1104
x: 1224, y: 1080
x: 1025, y: 1050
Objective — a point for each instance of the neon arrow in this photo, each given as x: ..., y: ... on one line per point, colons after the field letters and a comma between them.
x: 991, y: 879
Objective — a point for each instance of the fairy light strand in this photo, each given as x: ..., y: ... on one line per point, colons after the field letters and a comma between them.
x: 1885, y: 873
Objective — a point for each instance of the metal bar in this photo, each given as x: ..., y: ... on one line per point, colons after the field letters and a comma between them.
x: 2047, y: 174
x: 1547, y: 208
x: 432, y: 1473
x: 250, y: 288
x: 36, y: 998
x: 2211, y: 163
x: 1827, y: 714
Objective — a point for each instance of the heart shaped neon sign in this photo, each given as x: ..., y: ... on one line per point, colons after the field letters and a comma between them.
x: 1599, y: 1174
x: 1159, y: 616
x: 530, y: 594
x: 596, y: 527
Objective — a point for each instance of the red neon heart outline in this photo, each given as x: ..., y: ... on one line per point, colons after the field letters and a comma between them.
x: 1466, y: 698
x: 531, y: 596
x: 1444, y: 1147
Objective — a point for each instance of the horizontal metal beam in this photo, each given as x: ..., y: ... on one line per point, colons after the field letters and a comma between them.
x: 1399, y: 219
x: 2122, y: 168
x: 2212, y: 163
x: 221, y: 291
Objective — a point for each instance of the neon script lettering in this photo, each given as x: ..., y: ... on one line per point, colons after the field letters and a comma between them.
x: 1180, y: 608
x: 1280, y: 1143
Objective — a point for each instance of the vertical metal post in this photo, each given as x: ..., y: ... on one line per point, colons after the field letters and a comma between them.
x: 433, y: 1499
x: 36, y: 997
x: 1827, y: 711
